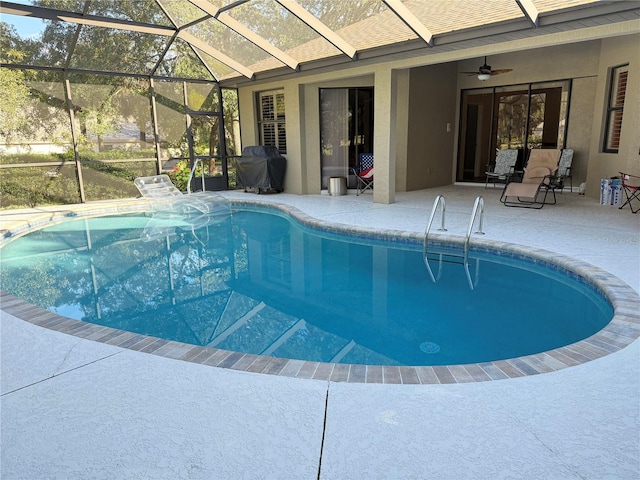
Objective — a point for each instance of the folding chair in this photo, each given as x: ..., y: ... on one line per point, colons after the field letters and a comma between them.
x: 503, y: 168
x: 538, y: 179
x: 364, y: 173
x: 631, y: 187
x: 564, y: 167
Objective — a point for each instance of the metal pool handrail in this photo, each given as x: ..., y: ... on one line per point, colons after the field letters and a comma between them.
x: 439, y: 200
x: 193, y: 171
x: 478, y: 205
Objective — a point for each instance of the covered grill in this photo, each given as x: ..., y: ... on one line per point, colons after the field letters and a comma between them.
x: 261, y: 168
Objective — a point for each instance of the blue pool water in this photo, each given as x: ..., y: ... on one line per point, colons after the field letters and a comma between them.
x: 257, y: 282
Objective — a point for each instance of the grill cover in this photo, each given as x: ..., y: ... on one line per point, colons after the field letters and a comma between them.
x: 261, y: 168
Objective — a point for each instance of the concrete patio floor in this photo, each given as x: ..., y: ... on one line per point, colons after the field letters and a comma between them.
x: 77, y: 409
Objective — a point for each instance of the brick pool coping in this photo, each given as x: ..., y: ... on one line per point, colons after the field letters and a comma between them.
x: 623, y: 329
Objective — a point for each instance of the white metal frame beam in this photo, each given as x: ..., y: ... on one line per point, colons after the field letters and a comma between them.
x: 529, y: 10
x: 410, y: 20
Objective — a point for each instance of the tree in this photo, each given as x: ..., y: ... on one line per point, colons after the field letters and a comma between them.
x: 14, y: 95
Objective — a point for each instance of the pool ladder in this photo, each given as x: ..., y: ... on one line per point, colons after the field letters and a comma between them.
x: 478, y: 207
x: 197, y: 161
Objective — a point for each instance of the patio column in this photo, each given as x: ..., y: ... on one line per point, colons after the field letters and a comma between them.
x: 384, y: 150
x: 295, y: 178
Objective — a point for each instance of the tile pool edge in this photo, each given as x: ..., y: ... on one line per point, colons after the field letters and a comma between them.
x: 621, y: 331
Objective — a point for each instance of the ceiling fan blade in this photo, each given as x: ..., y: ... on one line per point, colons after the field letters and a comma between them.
x: 499, y: 71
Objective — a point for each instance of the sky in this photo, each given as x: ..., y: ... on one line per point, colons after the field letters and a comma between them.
x: 27, y: 27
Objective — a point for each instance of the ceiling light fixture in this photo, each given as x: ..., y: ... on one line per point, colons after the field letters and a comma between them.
x: 484, y: 76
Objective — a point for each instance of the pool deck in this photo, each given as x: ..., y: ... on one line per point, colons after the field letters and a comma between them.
x: 76, y: 408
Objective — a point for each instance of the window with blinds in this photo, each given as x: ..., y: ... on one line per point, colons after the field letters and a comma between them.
x: 615, y: 107
x: 271, y: 119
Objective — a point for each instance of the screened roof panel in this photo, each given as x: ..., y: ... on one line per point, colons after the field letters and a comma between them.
x: 182, y: 61
x: 144, y: 11
x: 219, y: 69
x: 68, y: 5
x: 222, y: 3
x: 275, y: 24
x: 227, y: 38
x: 116, y: 50
x: 182, y: 12
x: 229, y: 43
x: 336, y: 15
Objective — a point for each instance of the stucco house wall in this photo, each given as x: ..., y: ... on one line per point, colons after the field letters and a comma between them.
x: 615, y: 52
x: 432, y: 115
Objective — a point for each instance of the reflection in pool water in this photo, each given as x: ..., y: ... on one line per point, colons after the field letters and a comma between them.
x: 256, y: 282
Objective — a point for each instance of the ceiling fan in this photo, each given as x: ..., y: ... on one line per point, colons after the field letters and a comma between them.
x: 484, y: 72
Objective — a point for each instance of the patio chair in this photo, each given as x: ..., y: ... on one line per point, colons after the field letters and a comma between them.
x: 564, y: 167
x: 539, y: 178
x: 503, y: 168
x: 631, y: 187
x: 364, y: 173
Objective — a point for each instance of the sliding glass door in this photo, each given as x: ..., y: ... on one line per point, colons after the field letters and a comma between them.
x: 346, y: 130
x: 515, y: 117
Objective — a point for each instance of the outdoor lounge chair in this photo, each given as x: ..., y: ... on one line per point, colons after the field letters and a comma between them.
x: 539, y: 178
x: 564, y: 167
x: 631, y: 187
x: 503, y: 168
x: 167, y: 198
x: 364, y: 173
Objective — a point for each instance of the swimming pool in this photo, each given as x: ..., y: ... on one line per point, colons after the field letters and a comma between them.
x: 281, y: 289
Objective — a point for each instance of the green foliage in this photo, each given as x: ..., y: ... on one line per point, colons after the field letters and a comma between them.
x: 68, y: 156
x: 180, y: 174
x: 35, y: 284
x: 30, y: 187
x: 34, y: 109
x: 115, y: 154
x: 14, y: 96
x: 55, y: 185
x: 9, y: 158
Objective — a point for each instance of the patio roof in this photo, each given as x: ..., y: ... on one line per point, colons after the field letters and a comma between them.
x: 242, y: 40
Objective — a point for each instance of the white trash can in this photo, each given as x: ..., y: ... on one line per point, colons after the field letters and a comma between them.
x: 337, y: 185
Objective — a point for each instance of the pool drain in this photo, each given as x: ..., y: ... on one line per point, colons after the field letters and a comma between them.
x: 429, y: 347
